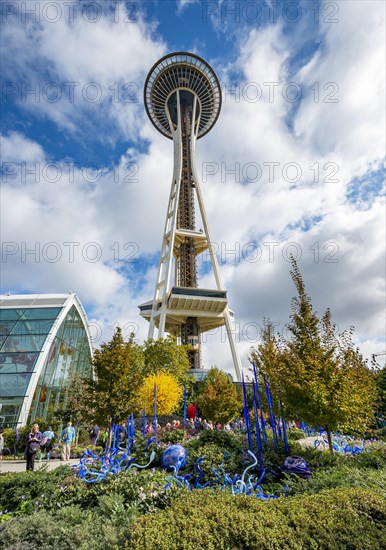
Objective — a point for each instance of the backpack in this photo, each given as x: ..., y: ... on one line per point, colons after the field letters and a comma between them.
x: 33, y: 447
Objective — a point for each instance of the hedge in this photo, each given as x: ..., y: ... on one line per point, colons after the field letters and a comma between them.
x: 338, y: 519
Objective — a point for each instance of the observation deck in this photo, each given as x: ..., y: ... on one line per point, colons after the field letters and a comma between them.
x: 183, y: 302
x: 185, y: 72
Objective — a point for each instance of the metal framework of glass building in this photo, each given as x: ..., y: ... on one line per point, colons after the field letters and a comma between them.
x: 44, y: 341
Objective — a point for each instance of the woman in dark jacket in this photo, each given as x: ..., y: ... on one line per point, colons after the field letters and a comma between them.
x: 32, y: 446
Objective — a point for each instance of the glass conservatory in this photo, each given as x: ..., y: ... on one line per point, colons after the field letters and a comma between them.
x: 44, y: 342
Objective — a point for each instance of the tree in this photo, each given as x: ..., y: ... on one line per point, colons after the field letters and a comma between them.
x: 323, y: 378
x: 167, y: 356
x: 118, y: 369
x: 168, y: 393
x: 381, y: 387
x: 218, y: 398
x: 77, y: 403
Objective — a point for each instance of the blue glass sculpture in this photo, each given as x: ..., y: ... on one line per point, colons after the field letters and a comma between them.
x: 176, y: 455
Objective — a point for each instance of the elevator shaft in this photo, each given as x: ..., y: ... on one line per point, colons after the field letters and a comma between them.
x: 187, y: 262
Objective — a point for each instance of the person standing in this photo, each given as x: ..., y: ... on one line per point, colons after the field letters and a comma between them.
x: 32, y: 446
x: 103, y: 434
x: 94, y: 434
x: 68, y: 436
x: 1, y: 443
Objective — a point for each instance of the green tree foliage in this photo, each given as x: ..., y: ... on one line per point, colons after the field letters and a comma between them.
x: 118, y: 369
x: 168, y: 356
x: 218, y: 398
x: 323, y: 378
x: 381, y: 387
x: 77, y: 404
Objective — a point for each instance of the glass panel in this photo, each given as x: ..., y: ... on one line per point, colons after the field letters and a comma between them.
x: 33, y: 327
x: 10, y: 314
x: 42, y: 313
x: 17, y: 362
x: 23, y: 343
x: 68, y: 324
x: 14, y: 385
x: 6, y: 328
x: 10, y: 411
x: 69, y: 355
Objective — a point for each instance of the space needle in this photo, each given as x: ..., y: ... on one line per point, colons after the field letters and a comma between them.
x: 182, y: 97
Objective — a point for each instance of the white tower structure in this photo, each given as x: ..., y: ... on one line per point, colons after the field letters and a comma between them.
x: 183, y: 100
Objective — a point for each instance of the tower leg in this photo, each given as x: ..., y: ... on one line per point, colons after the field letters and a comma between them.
x: 232, y: 344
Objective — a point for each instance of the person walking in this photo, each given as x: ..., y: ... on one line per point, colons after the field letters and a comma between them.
x: 68, y: 436
x: 46, y: 444
x: 32, y: 446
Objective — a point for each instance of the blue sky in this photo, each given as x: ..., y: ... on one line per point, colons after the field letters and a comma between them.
x: 295, y: 163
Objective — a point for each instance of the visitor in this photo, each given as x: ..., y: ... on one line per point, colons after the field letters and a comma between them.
x: 32, y: 446
x: 68, y: 436
x: 103, y: 434
x: 46, y: 443
x: 122, y: 435
x: 198, y: 424
x: 94, y: 434
x: 205, y: 425
x: 1, y: 443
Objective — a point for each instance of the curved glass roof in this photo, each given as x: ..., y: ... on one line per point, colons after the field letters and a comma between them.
x: 44, y: 340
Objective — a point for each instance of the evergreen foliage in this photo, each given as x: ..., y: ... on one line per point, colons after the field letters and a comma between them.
x: 167, y: 356
x: 218, y: 398
x: 335, y: 519
x: 118, y: 368
x: 322, y: 376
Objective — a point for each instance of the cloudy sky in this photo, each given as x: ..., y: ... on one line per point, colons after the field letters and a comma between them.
x: 294, y: 165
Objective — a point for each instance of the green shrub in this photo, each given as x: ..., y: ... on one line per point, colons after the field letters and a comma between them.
x: 212, y: 444
x: 295, y: 434
x: 334, y: 519
x: 23, y: 493
x: 67, y: 529
x: 172, y: 437
x: 77, y: 450
x: 343, y: 475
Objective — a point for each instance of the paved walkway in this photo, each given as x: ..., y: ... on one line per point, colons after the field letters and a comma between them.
x: 20, y: 465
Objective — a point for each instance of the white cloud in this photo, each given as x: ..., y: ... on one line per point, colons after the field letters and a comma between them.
x: 16, y: 148
x: 85, y: 74
x: 111, y: 213
x: 182, y: 5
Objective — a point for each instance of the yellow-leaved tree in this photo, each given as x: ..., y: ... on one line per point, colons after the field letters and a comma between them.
x: 168, y: 395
